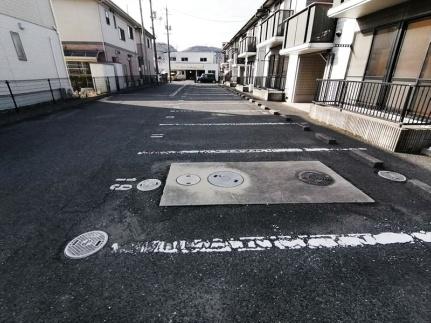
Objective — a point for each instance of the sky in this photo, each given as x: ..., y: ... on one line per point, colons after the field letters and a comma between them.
x: 194, y: 22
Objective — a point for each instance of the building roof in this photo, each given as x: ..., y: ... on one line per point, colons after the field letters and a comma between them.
x: 125, y: 16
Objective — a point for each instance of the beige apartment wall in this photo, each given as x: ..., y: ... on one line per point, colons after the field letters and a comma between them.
x: 35, y: 11
x: 86, y: 28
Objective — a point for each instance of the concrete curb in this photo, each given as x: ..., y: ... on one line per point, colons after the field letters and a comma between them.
x: 326, y: 139
x: 367, y: 159
x: 426, y: 152
x: 422, y: 188
x: 305, y: 126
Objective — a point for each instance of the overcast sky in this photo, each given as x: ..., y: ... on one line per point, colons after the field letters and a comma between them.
x: 195, y: 22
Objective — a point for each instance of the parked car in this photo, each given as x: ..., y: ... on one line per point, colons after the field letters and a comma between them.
x: 179, y: 76
x: 207, y: 78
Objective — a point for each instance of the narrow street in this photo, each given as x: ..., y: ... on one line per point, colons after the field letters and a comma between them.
x: 288, y: 257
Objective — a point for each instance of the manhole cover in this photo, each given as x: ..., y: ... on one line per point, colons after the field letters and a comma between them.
x: 188, y: 180
x: 86, y: 244
x: 149, y: 185
x: 392, y: 176
x: 315, y: 178
x: 225, y: 179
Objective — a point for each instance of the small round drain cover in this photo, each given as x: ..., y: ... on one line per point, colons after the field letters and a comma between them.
x: 86, y: 244
x: 149, y: 185
x: 315, y: 178
x: 188, y: 180
x: 225, y: 179
x: 392, y: 176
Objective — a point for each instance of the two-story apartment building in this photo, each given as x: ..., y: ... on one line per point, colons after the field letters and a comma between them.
x: 282, y: 49
x: 190, y: 65
x: 103, y: 34
x: 380, y: 67
x: 371, y: 60
x: 30, y: 50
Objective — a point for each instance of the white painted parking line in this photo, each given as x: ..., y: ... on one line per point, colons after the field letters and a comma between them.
x: 177, y: 91
x: 227, y: 124
x: 246, y: 151
x: 157, y: 136
x: 170, y: 117
x: 272, y: 243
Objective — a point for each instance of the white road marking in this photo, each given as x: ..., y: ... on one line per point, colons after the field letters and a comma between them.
x: 272, y: 243
x: 126, y: 180
x: 157, y: 136
x: 177, y: 91
x: 170, y: 117
x: 227, y: 124
x: 246, y: 151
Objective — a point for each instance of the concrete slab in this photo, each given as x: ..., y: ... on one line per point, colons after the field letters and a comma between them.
x: 263, y: 183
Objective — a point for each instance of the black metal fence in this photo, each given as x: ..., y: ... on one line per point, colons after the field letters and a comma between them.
x: 21, y: 93
x: 270, y: 82
x: 401, y: 103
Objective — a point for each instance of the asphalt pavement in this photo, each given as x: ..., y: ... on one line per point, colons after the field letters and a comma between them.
x: 218, y: 263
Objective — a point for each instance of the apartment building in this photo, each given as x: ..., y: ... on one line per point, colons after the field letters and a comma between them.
x: 380, y: 71
x: 368, y: 57
x: 30, y: 50
x: 282, y: 49
x: 190, y: 65
x: 104, y: 42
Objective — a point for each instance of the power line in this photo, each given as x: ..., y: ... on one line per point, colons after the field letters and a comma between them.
x: 207, y: 19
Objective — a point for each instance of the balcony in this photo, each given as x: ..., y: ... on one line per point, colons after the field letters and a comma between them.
x: 247, y: 47
x: 399, y: 103
x: 272, y: 28
x: 309, y: 31
x: 359, y: 8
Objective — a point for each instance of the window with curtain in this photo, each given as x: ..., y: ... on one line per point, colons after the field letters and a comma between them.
x: 413, y: 61
x: 380, y: 54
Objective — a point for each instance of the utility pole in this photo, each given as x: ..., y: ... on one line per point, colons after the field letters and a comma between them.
x: 168, y: 29
x: 143, y: 46
x: 154, y: 41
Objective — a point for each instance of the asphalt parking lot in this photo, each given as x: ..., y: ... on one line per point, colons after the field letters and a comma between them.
x: 62, y: 175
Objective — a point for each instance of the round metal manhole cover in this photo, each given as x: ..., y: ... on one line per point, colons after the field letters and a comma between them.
x: 86, y: 244
x: 315, y: 178
x: 392, y: 176
x: 188, y: 180
x: 149, y: 185
x: 225, y: 179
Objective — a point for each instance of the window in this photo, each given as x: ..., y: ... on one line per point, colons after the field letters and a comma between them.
x: 184, y: 59
x: 115, y: 21
x: 114, y: 59
x: 122, y: 34
x: 108, y: 21
x: 204, y: 59
x: 148, y: 43
x: 414, y: 50
x: 130, y: 32
x: 211, y: 72
x: 18, y: 46
x: 173, y: 59
x: 381, y: 50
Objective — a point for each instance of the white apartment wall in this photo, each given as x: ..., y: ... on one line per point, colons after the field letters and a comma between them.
x: 78, y: 20
x: 348, y: 28
x: 42, y: 48
x: 111, y: 34
x: 194, y: 57
x: 292, y: 71
x: 35, y: 11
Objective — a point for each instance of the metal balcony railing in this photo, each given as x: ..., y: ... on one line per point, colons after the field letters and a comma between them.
x: 274, y: 25
x: 270, y: 82
x: 310, y: 25
x: 400, y: 103
x: 247, y: 45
